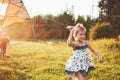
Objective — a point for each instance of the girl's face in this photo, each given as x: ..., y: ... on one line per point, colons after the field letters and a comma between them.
x: 81, y: 35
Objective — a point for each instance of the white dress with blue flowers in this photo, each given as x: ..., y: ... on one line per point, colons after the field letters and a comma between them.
x: 80, y: 61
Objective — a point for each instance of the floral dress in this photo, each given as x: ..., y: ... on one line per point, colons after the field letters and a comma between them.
x: 80, y: 61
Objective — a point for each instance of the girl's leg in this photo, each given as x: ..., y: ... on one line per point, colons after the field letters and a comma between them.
x: 3, y: 56
x: 70, y: 77
x: 86, y: 78
x: 80, y: 76
x: 2, y: 53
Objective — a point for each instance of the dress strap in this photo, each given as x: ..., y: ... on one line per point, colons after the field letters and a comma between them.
x: 86, y: 44
x: 76, y: 44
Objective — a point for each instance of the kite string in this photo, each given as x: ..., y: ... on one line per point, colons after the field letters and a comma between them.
x: 57, y: 22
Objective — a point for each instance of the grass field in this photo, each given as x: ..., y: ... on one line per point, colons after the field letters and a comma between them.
x: 38, y: 60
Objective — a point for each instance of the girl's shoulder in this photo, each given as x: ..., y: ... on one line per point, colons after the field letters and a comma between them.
x: 73, y: 44
x: 86, y: 42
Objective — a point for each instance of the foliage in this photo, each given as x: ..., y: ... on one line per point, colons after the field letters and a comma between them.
x: 100, y: 30
x: 51, y: 27
x: 115, y: 25
x: 80, y: 19
x: 38, y: 60
x: 48, y: 26
x: 110, y: 12
x: 108, y: 9
x: 19, y: 30
x: 88, y: 22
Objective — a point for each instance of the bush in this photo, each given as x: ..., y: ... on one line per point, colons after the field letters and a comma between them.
x: 100, y: 30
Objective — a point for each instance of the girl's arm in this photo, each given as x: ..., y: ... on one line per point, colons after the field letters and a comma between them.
x: 95, y: 53
x: 69, y: 40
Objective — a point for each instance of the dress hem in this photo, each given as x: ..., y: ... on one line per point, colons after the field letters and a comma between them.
x: 83, y: 72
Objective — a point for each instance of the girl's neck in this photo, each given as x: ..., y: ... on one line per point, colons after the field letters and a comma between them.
x: 80, y: 42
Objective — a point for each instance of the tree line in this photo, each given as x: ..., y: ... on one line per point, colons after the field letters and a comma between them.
x: 54, y: 27
x: 110, y: 12
x: 105, y: 26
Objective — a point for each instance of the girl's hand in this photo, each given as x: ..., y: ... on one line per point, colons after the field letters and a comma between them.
x: 100, y: 60
x: 71, y: 28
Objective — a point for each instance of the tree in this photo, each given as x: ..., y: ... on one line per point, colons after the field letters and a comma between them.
x: 108, y: 9
x: 65, y: 19
x: 110, y: 12
x: 37, y: 24
x: 52, y: 27
x: 80, y: 19
x: 105, y: 9
x: 87, y: 23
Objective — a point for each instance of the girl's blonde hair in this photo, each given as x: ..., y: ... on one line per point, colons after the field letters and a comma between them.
x: 77, y: 28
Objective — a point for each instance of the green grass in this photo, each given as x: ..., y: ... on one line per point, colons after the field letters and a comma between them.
x: 37, y: 60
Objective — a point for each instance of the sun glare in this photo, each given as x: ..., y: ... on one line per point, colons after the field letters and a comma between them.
x: 0, y: 29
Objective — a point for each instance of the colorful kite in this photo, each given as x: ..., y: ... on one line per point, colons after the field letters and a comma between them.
x: 15, y: 12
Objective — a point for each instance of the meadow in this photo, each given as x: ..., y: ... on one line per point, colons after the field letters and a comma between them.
x: 45, y: 60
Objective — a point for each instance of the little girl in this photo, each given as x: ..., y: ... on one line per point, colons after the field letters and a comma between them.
x: 80, y: 63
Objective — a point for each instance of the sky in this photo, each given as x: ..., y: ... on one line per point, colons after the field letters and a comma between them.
x: 56, y: 7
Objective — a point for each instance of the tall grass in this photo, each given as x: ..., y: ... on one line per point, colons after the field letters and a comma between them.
x: 38, y: 60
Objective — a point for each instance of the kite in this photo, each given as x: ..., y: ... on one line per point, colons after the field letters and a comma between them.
x: 15, y: 12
